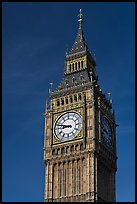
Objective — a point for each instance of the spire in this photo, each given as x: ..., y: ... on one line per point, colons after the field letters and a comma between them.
x: 80, y: 18
x: 80, y: 42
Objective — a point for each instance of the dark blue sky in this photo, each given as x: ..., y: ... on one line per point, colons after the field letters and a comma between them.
x: 34, y: 40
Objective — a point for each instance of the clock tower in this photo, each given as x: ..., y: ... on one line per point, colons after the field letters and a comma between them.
x: 80, y: 133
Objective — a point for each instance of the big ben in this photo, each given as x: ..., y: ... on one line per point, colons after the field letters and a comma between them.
x: 80, y: 133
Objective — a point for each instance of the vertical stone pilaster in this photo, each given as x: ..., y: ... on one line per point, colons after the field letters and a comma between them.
x: 50, y: 180
x: 76, y: 165
x: 87, y: 173
x: 57, y: 180
x: 67, y: 177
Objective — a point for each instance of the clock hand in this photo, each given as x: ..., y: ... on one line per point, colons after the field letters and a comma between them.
x: 67, y: 126
x: 59, y: 125
x: 64, y: 126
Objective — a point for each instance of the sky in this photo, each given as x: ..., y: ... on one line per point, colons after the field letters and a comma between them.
x: 35, y: 37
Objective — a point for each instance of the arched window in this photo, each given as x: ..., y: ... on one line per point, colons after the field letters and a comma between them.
x: 67, y: 149
x: 82, y: 64
x: 63, y: 151
x: 73, y: 67
x: 76, y: 147
x: 58, y: 151
x: 62, y: 101
x: 71, y: 100
x: 79, y: 65
x: 72, y: 148
x: 76, y: 65
x: 58, y: 103
x: 75, y: 98
x: 81, y: 146
x: 79, y: 97
x: 66, y: 100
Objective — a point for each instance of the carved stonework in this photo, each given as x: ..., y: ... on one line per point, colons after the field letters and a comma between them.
x: 80, y: 155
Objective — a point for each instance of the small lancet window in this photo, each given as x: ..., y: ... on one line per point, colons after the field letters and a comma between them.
x: 67, y: 149
x: 71, y: 100
x: 75, y: 98
x: 76, y: 65
x: 66, y: 100
x: 58, y: 103
x: 72, y: 148
x: 76, y: 147
x: 73, y: 67
x: 62, y: 101
x: 79, y: 65
x: 62, y: 150
x: 81, y: 147
x: 79, y: 97
x: 82, y: 64
x: 58, y: 151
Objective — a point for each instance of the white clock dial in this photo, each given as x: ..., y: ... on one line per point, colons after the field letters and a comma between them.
x: 106, y: 131
x: 68, y: 126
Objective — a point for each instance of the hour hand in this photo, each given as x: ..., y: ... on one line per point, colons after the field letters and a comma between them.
x: 67, y: 126
x: 64, y: 126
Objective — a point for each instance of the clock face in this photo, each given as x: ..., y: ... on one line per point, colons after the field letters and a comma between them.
x: 106, y: 131
x: 68, y: 126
